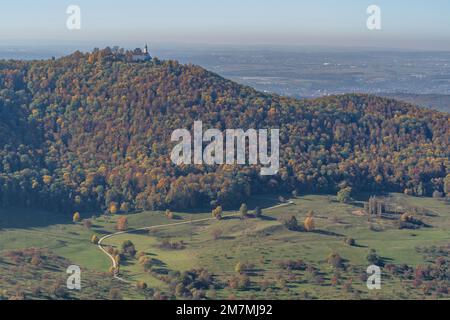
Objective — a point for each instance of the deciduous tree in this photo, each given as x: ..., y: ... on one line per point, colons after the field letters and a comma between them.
x: 122, y: 223
x: 76, y: 217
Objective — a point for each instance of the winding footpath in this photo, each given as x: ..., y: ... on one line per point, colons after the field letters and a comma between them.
x: 109, y: 236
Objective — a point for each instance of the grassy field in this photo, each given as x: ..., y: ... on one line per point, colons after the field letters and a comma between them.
x: 261, y: 242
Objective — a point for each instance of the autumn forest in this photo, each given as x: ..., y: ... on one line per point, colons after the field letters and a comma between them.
x: 91, y: 131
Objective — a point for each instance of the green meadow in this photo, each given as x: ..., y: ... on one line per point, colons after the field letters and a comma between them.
x: 261, y: 243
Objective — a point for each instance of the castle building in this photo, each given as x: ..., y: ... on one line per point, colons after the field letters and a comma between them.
x: 141, y: 55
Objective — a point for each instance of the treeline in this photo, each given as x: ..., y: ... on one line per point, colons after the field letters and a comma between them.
x: 91, y: 131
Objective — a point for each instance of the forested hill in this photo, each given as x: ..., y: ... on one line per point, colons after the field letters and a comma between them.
x: 92, y: 132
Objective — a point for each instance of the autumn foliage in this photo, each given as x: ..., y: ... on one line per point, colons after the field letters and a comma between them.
x: 122, y: 224
x: 91, y: 132
x: 309, y: 223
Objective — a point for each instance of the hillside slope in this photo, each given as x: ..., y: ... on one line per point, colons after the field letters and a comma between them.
x: 92, y: 131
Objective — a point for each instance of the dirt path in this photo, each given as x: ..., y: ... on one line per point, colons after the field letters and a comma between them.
x: 109, y: 236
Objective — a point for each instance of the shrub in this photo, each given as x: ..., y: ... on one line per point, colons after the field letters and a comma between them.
x: 292, y: 265
x: 217, y: 213
x: 309, y: 224
x: 408, y: 221
x: 290, y: 223
x: 147, y: 264
x: 350, y: 242
x: 335, y: 260
x: 36, y: 260
x: 374, y: 258
x: 76, y: 217
x: 128, y: 248
x: 172, y: 245
x: 141, y: 285
x: 344, y: 195
x: 239, y: 267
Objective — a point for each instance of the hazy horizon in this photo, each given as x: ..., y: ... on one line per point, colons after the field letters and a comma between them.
x: 27, y: 50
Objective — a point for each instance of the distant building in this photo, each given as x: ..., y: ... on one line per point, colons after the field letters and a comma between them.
x: 141, y: 55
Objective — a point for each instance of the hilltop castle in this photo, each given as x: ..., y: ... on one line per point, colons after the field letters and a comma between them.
x: 141, y: 55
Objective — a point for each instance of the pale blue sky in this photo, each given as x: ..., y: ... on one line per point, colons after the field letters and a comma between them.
x: 416, y: 24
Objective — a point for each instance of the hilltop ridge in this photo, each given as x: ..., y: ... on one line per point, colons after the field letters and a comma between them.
x: 91, y: 131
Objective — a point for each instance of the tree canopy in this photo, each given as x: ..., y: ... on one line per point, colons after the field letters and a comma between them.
x: 91, y: 131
